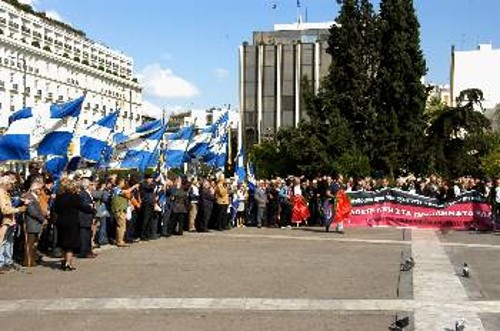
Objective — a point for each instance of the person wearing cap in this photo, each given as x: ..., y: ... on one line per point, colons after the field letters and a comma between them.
x: 33, y: 223
x: 8, y: 222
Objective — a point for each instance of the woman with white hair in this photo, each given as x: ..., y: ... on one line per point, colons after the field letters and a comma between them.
x: 33, y: 223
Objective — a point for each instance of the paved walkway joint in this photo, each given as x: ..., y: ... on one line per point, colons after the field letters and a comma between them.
x: 435, y: 280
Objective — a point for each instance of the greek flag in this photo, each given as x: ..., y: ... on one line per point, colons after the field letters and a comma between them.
x: 96, y: 139
x: 252, y: 181
x: 176, y: 151
x: 240, y: 172
x: 198, y: 147
x: 141, y: 149
x: 40, y: 131
x: 216, y: 155
x: 200, y: 144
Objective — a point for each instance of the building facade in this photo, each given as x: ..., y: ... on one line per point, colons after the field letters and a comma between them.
x: 478, y: 68
x: 272, y: 70
x: 440, y: 92
x: 45, y: 61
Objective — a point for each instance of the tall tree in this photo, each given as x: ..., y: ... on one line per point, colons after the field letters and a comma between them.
x: 402, y: 96
x: 349, y: 84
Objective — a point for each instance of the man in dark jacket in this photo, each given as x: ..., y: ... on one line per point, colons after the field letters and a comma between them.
x: 180, y: 207
x: 206, y: 202
x: 261, y: 200
x: 86, y: 219
x: 34, y: 220
x: 147, y: 194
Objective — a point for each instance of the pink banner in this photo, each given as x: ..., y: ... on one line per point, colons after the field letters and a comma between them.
x: 386, y: 209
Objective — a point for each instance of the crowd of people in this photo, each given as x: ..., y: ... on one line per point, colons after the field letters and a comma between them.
x: 83, y: 212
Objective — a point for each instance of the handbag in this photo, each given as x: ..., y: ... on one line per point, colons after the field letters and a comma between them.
x: 128, y: 213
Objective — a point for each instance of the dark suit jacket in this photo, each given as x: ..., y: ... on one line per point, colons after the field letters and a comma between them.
x: 86, y: 211
x: 34, y: 215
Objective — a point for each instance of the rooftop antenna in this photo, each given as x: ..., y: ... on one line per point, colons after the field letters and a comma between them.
x: 299, y: 15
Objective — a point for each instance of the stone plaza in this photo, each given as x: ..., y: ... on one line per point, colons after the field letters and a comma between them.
x: 266, y: 279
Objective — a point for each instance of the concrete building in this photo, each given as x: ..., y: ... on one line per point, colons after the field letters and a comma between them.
x: 201, y: 118
x: 271, y: 71
x: 478, y: 68
x: 46, y: 61
x: 440, y: 92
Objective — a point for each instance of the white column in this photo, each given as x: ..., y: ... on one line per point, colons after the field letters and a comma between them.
x: 317, y: 66
x: 242, y: 96
x: 298, y: 75
x: 260, y: 78
x: 279, y: 60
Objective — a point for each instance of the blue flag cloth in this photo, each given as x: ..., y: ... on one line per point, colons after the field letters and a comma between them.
x: 40, y: 131
x: 252, y: 181
x: 141, y: 149
x: 177, y: 145
x: 96, y: 138
x: 216, y: 155
x: 240, y: 173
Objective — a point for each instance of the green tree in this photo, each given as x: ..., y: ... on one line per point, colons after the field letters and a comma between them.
x: 349, y: 87
x: 401, y: 98
x: 490, y: 162
x: 435, y: 107
x: 459, y: 138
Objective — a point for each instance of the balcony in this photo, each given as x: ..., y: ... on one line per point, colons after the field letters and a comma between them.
x: 15, y: 88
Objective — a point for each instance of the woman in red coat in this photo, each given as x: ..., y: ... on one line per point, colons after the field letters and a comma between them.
x: 300, y: 210
x: 343, y: 210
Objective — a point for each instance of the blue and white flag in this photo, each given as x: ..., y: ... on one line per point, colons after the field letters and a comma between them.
x: 40, y: 131
x: 95, y: 140
x: 240, y: 173
x: 216, y: 155
x: 252, y: 181
x: 177, y: 145
x: 141, y: 149
x: 198, y: 147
